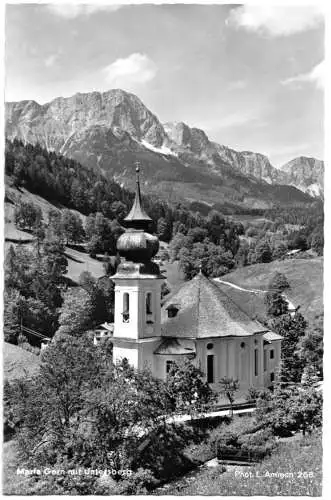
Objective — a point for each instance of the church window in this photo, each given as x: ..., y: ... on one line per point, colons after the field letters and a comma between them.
x: 210, y: 368
x: 243, y: 345
x: 210, y: 345
x: 265, y: 352
x: 126, y: 308
x: 272, y: 377
x: 149, y: 303
x: 272, y: 354
x: 256, y: 362
x: 172, y: 310
x: 168, y: 366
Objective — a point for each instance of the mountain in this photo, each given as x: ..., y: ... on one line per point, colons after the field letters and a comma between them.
x: 305, y: 173
x: 249, y: 163
x: 109, y: 131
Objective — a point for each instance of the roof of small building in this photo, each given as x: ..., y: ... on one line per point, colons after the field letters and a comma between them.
x: 204, y: 310
x: 175, y: 346
x: 270, y: 336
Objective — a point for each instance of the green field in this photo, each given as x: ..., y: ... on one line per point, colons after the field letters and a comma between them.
x: 305, y: 277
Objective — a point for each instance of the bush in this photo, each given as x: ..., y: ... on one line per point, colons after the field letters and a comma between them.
x: 259, y: 444
x: 254, y: 393
x: 137, y: 483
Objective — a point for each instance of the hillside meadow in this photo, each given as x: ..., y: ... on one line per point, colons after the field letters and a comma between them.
x: 305, y: 277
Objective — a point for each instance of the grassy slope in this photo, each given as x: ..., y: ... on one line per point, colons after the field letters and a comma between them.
x: 77, y: 261
x: 18, y: 195
x: 304, y: 275
x: 18, y: 362
x: 300, y: 456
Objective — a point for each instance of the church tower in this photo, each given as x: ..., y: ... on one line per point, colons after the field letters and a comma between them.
x: 137, y: 319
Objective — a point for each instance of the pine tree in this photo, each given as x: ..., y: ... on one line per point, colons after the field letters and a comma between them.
x: 291, y: 329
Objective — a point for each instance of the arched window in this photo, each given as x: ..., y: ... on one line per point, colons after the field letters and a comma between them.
x: 256, y: 362
x: 126, y: 308
x: 210, y: 368
x: 149, y: 303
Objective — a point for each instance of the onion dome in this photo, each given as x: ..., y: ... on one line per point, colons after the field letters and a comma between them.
x: 136, y: 244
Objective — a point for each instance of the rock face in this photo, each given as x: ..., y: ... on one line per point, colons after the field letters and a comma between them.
x: 109, y: 131
x: 307, y: 174
x: 54, y: 122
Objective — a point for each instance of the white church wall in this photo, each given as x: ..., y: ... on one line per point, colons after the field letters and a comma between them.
x: 130, y: 354
x: 147, y: 358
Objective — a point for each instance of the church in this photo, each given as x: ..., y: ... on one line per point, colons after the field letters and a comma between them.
x: 199, y: 321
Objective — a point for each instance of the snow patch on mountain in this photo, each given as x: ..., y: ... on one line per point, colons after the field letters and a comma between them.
x: 163, y: 150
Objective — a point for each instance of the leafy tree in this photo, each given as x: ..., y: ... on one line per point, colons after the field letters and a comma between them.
x: 290, y: 409
x: 317, y: 242
x: 119, y: 210
x: 102, y: 234
x: 27, y: 215
x: 54, y: 261
x: 229, y: 387
x: 81, y: 411
x: 186, y: 388
x: 72, y: 226
x: 241, y: 258
x: 297, y: 240
x: 76, y: 313
x: 263, y: 252
x: 163, y: 229
x: 12, y: 315
x: 55, y: 224
x: 275, y: 303
x: 176, y: 244
x: 279, y: 251
x: 101, y: 293
x: 215, y: 225
x: 310, y: 350
x: 278, y: 283
x: 215, y: 260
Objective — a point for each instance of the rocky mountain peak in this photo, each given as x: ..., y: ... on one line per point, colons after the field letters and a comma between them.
x: 305, y: 173
x: 57, y: 120
x: 107, y: 130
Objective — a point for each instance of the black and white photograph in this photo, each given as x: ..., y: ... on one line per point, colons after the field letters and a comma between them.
x: 163, y: 214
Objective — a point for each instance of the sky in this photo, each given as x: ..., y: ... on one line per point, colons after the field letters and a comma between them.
x: 251, y: 76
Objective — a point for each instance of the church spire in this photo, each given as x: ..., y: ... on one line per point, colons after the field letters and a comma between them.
x: 136, y: 244
x: 137, y: 217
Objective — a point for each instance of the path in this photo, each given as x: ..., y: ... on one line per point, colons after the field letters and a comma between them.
x: 239, y: 287
x: 220, y: 413
x: 290, y: 304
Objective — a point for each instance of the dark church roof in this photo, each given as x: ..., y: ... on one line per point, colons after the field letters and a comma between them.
x: 172, y: 346
x: 203, y: 310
